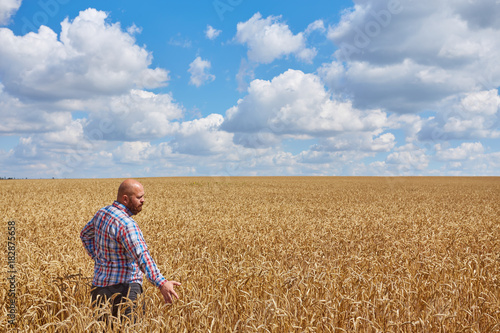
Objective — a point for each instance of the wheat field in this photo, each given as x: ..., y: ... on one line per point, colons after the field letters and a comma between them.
x: 269, y: 254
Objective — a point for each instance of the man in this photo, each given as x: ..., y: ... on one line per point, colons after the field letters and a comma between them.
x: 116, y: 244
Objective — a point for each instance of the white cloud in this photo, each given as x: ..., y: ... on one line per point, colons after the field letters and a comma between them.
x: 91, y: 58
x: 269, y: 39
x: 72, y: 135
x: 199, y: 72
x: 246, y: 71
x: 137, y: 115
x: 22, y: 118
x: 202, y: 137
x: 410, y: 124
x: 212, y: 33
x: 133, y: 29
x: 55, y: 153
x: 468, y: 159
x: 407, y: 160
x: 472, y: 115
x: 317, y: 25
x: 296, y: 103
x: 257, y: 140
x: 358, y: 116
x: 482, y: 102
x: 367, y: 142
x: 332, y: 163
x: 133, y: 152
x: 465, y: 151
x: 407, y: 56
x: 401, y: 87
x: 7, y: 9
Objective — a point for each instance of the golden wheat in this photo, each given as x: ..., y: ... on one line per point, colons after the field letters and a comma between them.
x: 270, y: 254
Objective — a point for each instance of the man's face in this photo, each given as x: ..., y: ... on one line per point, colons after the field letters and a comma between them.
x: 135, y: 200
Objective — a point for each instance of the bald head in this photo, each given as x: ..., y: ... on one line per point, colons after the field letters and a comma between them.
x: 127, y: 187
x: 131, y: 195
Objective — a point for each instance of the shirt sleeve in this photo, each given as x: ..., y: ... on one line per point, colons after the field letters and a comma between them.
x: 87, y: 237
x: 133, y: 241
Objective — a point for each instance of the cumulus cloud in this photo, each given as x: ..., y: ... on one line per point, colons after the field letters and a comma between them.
x: 483, y: 102
x: 7, y: 9
x: 202, y: 137
x: 212, y: 33
x: 56, y: 152
x: 133, y: 29
x: 269, y: 39
x: 94, y: 68
x: 246, y: 72
x: 395, y: 59
x: 199, y: 70
x: 468, y: 158
x: 21, y: 118
x: 133, y: 152
x: 472, y: 115
x: 406, y: 56
x: 465, y: 151
x: 317, y: 25
x: 92, y: 57
x: 199, y: 137
x: 70, y: 136
x: 404, y: 87
x: 366, y: 142
x: 137, y: 115
x: 405, y: 160
x: 296, y: 103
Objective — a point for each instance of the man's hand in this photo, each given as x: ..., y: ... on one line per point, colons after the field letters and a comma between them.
x: 167, y: 290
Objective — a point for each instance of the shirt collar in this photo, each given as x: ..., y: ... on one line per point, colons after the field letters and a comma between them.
x: 122, y: 207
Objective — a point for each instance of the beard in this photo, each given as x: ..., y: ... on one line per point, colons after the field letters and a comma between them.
x: 135, y: 209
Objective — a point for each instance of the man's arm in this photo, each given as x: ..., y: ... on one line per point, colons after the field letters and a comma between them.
x: 87, y: 237
x: 133, y: 240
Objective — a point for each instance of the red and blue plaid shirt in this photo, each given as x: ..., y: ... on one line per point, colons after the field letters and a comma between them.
x: 116, y: 244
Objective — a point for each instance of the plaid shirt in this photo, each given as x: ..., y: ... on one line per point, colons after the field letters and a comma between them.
x: 116, y: 244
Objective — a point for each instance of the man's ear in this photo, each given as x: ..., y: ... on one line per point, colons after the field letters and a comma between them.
x: 125, y: 199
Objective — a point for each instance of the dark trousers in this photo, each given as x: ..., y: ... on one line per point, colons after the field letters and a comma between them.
x: 115, y: 294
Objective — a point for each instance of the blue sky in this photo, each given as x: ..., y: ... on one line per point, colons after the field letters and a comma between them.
x: 239, y: 87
